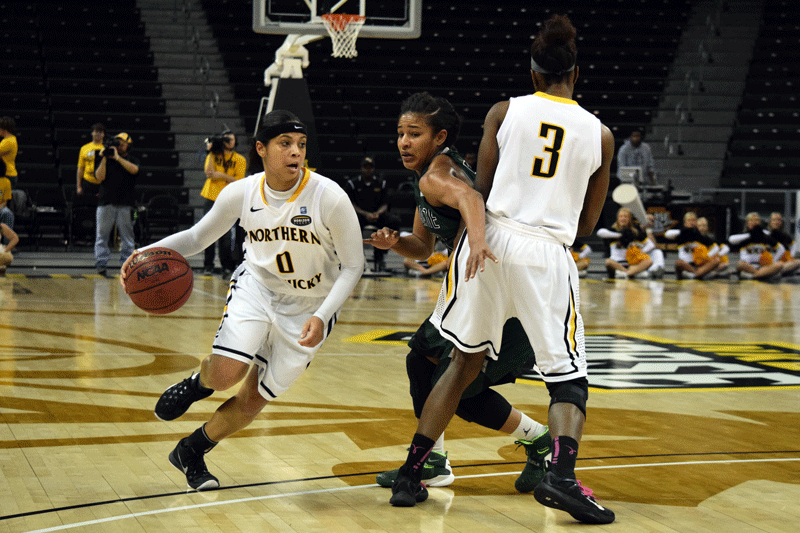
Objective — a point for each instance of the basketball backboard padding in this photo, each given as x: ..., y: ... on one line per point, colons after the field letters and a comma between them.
x: 398, y: 19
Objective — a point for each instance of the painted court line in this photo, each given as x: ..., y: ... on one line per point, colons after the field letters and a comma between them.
x: 64, y: 527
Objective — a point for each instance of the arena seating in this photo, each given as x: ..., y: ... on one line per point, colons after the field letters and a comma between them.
x: 762, y: 152
x: 67, y: 66
x: 472, y: 53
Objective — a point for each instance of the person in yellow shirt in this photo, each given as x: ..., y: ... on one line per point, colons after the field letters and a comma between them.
x: 8, y: 148
x: 223, y: 166
x: 86, y: 181
x: 6, y: 213
x: 8, y: 240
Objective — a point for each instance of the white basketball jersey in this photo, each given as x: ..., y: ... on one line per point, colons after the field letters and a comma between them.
x: 549, y: 147
x: 288, y: 246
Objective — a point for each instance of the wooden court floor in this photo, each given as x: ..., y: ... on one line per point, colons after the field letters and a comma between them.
x: 694, y: 416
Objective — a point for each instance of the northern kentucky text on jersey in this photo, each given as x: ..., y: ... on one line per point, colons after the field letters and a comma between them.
x: 283, y: 233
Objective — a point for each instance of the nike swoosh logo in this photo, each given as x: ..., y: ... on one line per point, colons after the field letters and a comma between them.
x: 254, y: 210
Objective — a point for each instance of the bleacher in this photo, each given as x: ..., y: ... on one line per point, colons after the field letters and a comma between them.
x: 474, y: 55
x: 66, y: 67
x: 763, y: 150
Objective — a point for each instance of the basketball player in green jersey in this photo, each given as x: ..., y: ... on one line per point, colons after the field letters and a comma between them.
x: 543, y: 170
x: 446, y: 202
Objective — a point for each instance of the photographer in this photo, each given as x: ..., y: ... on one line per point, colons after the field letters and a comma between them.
x: 223, y: 166
x: 115, y: 170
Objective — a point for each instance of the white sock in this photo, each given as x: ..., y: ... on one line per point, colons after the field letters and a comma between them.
x: 438, y: 446
x: 528, y: 428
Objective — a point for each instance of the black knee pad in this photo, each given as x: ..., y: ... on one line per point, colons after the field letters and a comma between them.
x: 420, y: 378
x: 575, y: 391
x: 488, y: 409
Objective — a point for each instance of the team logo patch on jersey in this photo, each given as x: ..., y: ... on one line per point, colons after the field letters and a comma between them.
x: 301, y: 220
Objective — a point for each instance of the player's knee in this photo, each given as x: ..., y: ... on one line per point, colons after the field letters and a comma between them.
x: 467, y: 365
x: 575, y: 391
x: 221, y: 373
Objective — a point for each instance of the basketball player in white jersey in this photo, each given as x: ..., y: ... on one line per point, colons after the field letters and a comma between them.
x: 543, y: 167
x: 303, y: 257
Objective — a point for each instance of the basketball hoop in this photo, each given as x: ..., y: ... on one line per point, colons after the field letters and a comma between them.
x: 343, y: 30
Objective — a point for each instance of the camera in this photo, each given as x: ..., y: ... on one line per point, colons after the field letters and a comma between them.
x: 107, y: 151
x: 217, y: 142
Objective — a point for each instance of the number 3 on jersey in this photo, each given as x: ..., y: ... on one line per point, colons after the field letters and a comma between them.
x: 552, y: 150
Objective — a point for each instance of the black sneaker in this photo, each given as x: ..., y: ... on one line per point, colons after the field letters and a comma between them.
x: 177, y: 399
x: 406, y: 493
x: 194, y: 466
x: 570, y: 496
x: 537, y: 451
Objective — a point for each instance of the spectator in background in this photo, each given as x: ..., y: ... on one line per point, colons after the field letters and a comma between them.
x: 789, y: 256
x: 580, y: 254
x: 6, y: 213
x: 86, y: 182
x: 8, y: 148
x: 757, y: 251
x: 369, y: 196
x: 86, y: 185
x: 722, y: 250
x: 634, y: 152
x: 629, y: 246
x: 116, y: 170
x: 697, y: 254
x: 223, y: 166
x: 8, y: 240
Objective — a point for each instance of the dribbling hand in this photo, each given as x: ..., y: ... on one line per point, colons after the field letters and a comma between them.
x: 123, y: 270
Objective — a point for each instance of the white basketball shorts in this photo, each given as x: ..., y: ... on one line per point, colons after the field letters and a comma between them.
x: 262, y: 327
x: 535, y: 280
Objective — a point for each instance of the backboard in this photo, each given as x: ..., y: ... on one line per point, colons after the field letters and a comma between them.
x: 387, y: 19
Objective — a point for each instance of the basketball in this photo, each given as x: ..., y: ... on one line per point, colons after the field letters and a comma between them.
x: 159, y: 281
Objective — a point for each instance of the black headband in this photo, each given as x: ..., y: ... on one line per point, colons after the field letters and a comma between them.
x: 265, y: 135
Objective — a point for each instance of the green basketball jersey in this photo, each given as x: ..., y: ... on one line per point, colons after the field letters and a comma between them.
x: 442, y: 221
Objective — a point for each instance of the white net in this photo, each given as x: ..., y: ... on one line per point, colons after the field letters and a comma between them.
x: 343, y: 30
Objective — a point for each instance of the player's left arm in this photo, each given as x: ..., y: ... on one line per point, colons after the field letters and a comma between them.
x: 446, y: 184
x: 598, y: 186
x: 345, y: 230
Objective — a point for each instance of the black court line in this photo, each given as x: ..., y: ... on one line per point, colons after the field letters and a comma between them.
x: 318, y: 478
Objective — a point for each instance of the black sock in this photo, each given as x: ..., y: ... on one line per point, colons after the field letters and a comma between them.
x: 565, y: 453
x: 200, y: 387
x: 198, y: 442
x: 421, y: 447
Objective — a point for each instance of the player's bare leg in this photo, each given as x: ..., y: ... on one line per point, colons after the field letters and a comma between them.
x: 238, y: 411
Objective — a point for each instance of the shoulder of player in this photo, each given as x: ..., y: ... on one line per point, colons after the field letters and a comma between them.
x: 327, y: 184
x: 442, y: 169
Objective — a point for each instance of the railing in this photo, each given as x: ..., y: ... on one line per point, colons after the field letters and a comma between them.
x: 755, y: 199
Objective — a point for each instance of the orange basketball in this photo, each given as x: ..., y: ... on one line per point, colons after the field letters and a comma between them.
x: 159, y: 281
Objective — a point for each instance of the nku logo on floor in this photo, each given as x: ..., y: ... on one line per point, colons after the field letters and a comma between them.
x: 625, y: 362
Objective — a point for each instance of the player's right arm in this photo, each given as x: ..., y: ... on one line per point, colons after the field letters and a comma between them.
x: 598, y: 186
x: 223, y: 214
x: 489, y: 150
